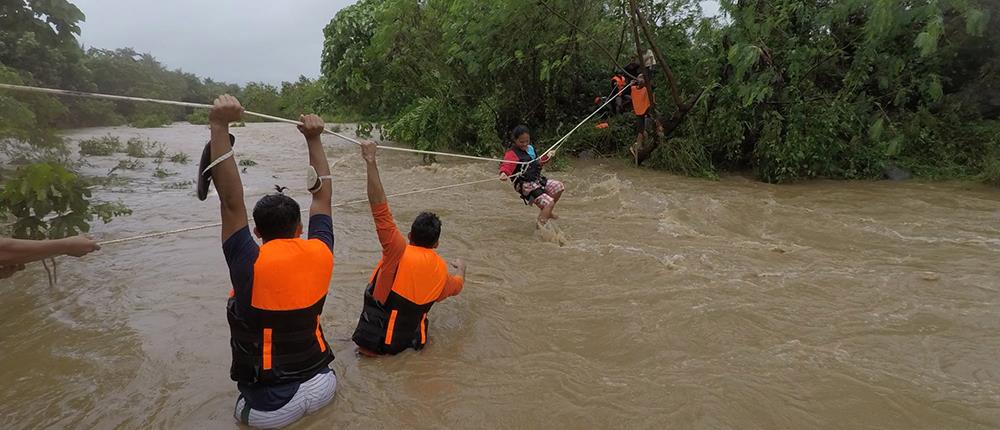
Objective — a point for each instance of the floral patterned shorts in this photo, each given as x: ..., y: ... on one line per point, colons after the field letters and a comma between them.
x: 552, y: 188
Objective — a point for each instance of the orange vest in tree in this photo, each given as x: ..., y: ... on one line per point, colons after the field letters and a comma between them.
x: 619, y: 81
x: 640, y: 100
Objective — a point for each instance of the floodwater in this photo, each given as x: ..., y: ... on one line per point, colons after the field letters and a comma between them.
x: 675, y: 303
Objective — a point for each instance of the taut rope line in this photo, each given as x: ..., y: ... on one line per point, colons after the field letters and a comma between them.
x: 289, y: 121
x: 219, y: 224
x: 551, y: 149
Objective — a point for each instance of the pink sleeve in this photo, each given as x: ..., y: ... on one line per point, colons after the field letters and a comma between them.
x: 508, y: 168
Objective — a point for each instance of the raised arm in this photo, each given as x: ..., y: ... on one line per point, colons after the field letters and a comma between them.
x: 14, y: 252
x: 225, y: 175
x: 312, y: 128
x: 376, y: 194
x: 392, y: 241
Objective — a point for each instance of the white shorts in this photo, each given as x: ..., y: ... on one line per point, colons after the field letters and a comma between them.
x: 312, y: 396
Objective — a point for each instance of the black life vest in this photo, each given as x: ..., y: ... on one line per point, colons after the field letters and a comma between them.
x: 528, y: 173
x: 408, y: 321
x: 275, y: 334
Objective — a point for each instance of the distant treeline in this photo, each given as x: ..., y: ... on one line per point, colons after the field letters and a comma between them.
x: 39, y: 47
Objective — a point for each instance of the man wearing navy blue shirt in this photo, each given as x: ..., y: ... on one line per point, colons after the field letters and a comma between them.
x: 280, y: 356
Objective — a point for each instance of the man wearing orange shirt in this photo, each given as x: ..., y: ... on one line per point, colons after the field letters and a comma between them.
x: 408, y: 280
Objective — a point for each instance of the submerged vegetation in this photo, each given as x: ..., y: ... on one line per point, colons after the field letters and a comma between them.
x: 101, y: 146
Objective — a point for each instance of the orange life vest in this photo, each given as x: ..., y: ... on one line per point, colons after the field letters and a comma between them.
x: 276, y: 338
x: 640, y: 100
x: 619, y: 81
x: 401, y: 322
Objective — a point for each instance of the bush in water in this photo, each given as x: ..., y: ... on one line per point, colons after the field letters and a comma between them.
x: 180, y: 158
x: 130, y: 164
x: 49, y: 202
x: 101, y: 146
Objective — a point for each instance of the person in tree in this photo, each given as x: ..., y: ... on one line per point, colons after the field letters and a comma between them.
x: 649, y: 60
x: 524, y: 169
x: 624, y: 101
x: 16, y: 253
x: 634, y: 68
x: 280, y: 356
x: 643, y: 117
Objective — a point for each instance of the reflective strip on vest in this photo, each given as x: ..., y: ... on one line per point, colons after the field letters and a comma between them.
x: 267, y: 349
x: 390, y: 327
x: 423, y: 330
x: 319, y: 336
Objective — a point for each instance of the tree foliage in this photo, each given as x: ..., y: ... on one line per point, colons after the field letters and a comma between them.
x: 788, y: 89
x: 459, y: 74
x: 50, y: 201
x: 38, y: 46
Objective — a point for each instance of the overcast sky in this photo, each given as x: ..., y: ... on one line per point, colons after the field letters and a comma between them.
x: 227, y: 40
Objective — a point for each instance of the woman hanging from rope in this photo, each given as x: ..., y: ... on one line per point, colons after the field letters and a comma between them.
x: 527, y: 178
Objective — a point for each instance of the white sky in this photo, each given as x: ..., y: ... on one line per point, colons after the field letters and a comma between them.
x: 226, y: 40
x: 710, y: 8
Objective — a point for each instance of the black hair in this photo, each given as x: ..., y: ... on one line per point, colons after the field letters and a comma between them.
x: 518, y: 131
x: 426, y: 230
x: 277, y: 217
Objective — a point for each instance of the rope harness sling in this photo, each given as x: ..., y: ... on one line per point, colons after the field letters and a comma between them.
x: 551, y: 149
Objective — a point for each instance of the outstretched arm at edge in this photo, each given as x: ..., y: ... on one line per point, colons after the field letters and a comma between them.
x: 17, y: 251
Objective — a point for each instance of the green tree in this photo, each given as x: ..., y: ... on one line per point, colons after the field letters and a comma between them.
x: 49, y: 202
x: 262, y: 98
x: 789, y: 89
x: 840, y: 89
x: 300, y: 97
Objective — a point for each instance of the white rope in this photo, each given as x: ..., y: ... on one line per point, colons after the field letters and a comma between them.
x: 219, y: 224
x: 551, y: 149
x: 565, y: 138
x: 274, y: 118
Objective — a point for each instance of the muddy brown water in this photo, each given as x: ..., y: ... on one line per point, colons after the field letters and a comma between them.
x: 675, y: 303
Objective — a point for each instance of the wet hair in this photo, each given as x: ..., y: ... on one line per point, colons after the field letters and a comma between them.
x: 426, y: 230
x: 277, y: 217
x: 518, y: 132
